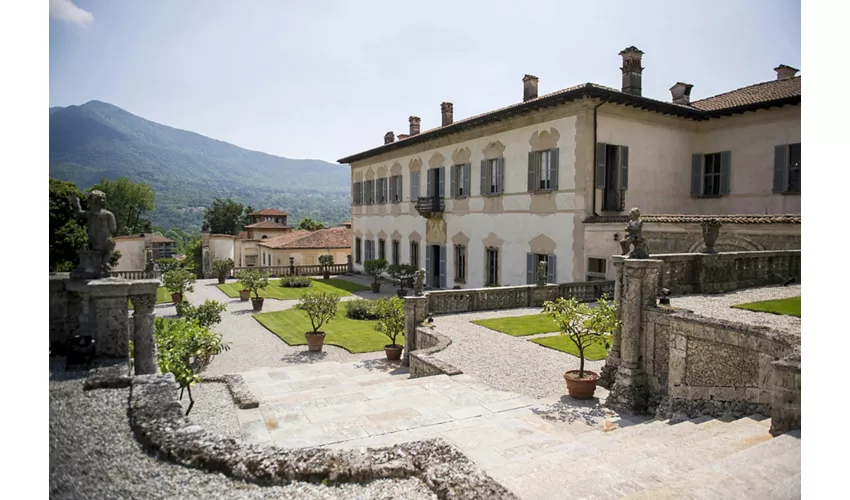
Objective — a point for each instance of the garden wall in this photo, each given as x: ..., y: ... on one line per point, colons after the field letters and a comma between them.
x: 422, y: 363
x: 508, y: 297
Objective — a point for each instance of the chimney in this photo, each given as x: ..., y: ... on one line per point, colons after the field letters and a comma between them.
x: 389, y: 137
x: 402, y: 136
x: 681, y: 93
x: 529, y: 87
x: 784, y: 72
x: 632, y: 71
x: 414, y: 124
x: 447, y: 110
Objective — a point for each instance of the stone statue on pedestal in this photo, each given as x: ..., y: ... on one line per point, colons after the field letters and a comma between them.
x: 419, y: 284
x: 634, y: 237
x: 541, y: 273
x: 100, y: 224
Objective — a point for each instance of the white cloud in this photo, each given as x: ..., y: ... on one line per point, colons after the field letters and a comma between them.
x: 65, y: 10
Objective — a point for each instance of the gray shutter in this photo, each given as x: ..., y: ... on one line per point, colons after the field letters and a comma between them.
x: 443, y: 266
x: 553, y: 168
x: 466, y: 184
x: 428, y: 271
x: 452, y: 182
x: 430, y: 176
x: 399, y: 190
x: 454, y: 260
x: 385, y: 189
x: 780, y: 169
x: 725, y: 170
x: 414, y: 186
x: 442, y: 183
x: 696, y: 175
x: 500, y: 175
x: 391, y: 188
x: 531, y: 176
x: 484, y: 188
x: 551, y: 269
x: 600, y: 164
x: 624, y: 167
x: 529, y: 268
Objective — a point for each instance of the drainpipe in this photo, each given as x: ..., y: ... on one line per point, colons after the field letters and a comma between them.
x: 593, y: 167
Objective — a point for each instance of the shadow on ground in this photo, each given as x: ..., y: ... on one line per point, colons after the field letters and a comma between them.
x: 304, y: 357
x: 569, y: 410
x: 382, y: 365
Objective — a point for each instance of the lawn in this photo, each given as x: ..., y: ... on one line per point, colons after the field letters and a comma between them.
x: 163, y: 296
x: 351, y: 334
x: 519, y: 326
x: 275, y: 291
x: 789, y: 307
x: 594, y: 352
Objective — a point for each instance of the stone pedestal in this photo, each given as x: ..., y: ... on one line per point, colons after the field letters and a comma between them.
x: 612, y: 361
x: 415, y: 312
x: 785, y: 386
x: 143, y: 295
x: 94, y: 264
x: 108, y: 317
x: 58, y: 311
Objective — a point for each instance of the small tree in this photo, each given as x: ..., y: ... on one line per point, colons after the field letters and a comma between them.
x: 390, y: 312
x: 326, y: 260
x: 375, y: 268
x: 321, y: 307
x: 222, y: 267
x: 167, y: 264
x: 207, y: 314
x: 179, y: 281
x: 254, y: 281
x: 583, y: 324
x: 402, y: 274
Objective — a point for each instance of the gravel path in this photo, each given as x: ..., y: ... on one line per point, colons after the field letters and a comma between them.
x: 93, y: 454
x: 214, y: 409
x: 720, y: 306
x: 508, y: 363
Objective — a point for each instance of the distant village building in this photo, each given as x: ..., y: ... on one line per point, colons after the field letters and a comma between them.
x: 137, y: 249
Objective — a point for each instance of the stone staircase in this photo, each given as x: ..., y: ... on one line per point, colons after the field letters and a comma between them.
x: 348, y: 405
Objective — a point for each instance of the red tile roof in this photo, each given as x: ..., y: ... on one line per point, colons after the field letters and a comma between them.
x: 266, y: 224
x: 156, y: 238
x: 696, y: 219
x: 243, y: 235
x: 758, y: 93
x: 268, y: 211
x: 335, y: 237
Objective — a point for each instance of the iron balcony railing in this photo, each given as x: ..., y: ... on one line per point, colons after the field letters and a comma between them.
x: 430, y: 205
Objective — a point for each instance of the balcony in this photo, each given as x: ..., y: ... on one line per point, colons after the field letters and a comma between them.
x: 430, y: 206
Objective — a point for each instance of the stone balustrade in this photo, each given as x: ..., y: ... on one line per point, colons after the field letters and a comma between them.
x: 313, y: 270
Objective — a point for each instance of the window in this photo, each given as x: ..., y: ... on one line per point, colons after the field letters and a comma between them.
x: 786, y: 169
x: 414, y: 186
x: 369, y: 192
x: 543, y: 179
x: 710, y: 174
x: 382, y: 249
x: 492, y: 263
x: 357, y: 251
x: 543, y: 170
x: 460, y: 264
x: 596, y: 269
x: 414, y: 254
x: 533, y: 264
x: 460, y: 180
x: 395, y: 189
x: 381, y: 191
x: 395, y: 252
x: 491, y: 176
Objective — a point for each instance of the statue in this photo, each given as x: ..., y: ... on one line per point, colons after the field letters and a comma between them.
x: 100, y: 224
x: 541, y: 273
x: 634, y: 237
x: 419, y: 284
x: 710, y: 231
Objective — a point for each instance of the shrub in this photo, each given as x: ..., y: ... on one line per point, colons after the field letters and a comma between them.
x: 582, y: 323
x: 375, y: 268
x: 167, y: 264
x: 179, y: 281
x: 326, y: 260
x: 254, y: 281
x: 402, y: 274
x: 390, y: 313
x: 319, y: 306
x: 295, y: 282
x: 207, y: 314
x: 221, y: 267
x: 360, y: 309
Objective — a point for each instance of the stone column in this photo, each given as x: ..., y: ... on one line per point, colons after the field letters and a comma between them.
x: 415, y: 311
x: 206, y: 260
x: 109, y: 317
x: 785, y: 386
x: 58, y: 311
x: 143, y: 295
x: 350, y: 263
x: 612, y: 361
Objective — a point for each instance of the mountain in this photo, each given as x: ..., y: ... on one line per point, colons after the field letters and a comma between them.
x: 187, y: 170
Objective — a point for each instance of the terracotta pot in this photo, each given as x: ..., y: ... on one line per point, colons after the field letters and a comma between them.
x: 376, y: 288
x: 177, y: 298
x: 393, y: 352
x: 257, y: 303
x: 315, y: 341
x: 244, y: 295
x: 326, y: 275
x: 220, y: 281
x: 581, y: 388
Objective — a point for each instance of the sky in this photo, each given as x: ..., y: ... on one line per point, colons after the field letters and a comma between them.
x: 326, y: 79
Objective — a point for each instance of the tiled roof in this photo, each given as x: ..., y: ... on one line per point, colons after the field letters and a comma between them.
x: 243, y: 235
x: 696, y: 219
x: 219, y: 235
x: 266, y: 224
x: 268, y: 211
x: 758, y: 93
x: 156, y: 238
x: 335, y: 237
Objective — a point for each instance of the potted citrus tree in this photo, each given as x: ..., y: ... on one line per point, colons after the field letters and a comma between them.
x: 254, y: 281
x: 584, y: 325
x: 244, y: 292
x: 390, y: 312
x: 221, y: 268
x: 325, y: 261
x: 375, y: 268
x: 321, y: 308
x: 403, y: 275
x: 179, y: 281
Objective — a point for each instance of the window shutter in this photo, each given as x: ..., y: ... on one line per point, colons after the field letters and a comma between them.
x: 430, y: 183
x: 442, y: 183
x: 428, y: 271
x: 452, y: 182
x: 466, y: 184
x: 529, y: 268
x: 443, y: 266
x: 399, y: 190
x: 386, y: 185
x: 696, y: 174
x: 725, y: 169
x: 392, y: 188
x: 531, y: 175
x: 454, y: 261
x: 601, y: 159
x: 780, y: 169
x: 500, y: 175
x: 484, y: 187
x: 551, y: 269
x: 553, y: 168
x: 624, y: 167
x: 414, y: 186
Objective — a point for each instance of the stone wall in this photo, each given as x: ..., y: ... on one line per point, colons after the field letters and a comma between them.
x: 422, y: 361
x: 732, y: 238
x: 508, y: 297
x: 724, y: 272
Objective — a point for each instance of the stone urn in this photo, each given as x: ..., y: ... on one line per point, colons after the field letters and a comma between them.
x: 177, y: 298
x: 581, y: 388
x: 244, y: 295
x: 393, y: 351
x: 710, y: 232
x: 221, y: 280
x: 315, y: 341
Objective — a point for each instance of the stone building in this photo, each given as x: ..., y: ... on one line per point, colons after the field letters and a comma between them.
x: 482, y: 200
x: 137, y: 249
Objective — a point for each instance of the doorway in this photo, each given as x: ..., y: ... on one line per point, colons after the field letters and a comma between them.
x: 434, y: 272
x: 611, y: 195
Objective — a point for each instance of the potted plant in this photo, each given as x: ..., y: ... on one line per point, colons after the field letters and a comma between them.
x: 375, y: 268
x: 402, y: 274
x: 390, y: 312
x: 585, y: 325
x: 178, y: 282
x: 325, y: 261
x: 244, y: 292
x: 221, y: 268
x: 321, y: 308
x: 254, y: 281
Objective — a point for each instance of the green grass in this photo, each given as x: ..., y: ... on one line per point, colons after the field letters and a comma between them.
x: 519, y: 326
x: 789, y: 307
x: 163, y: 296
x: 594, y: 352
x: 351, y: 334
x: 275, y: 291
